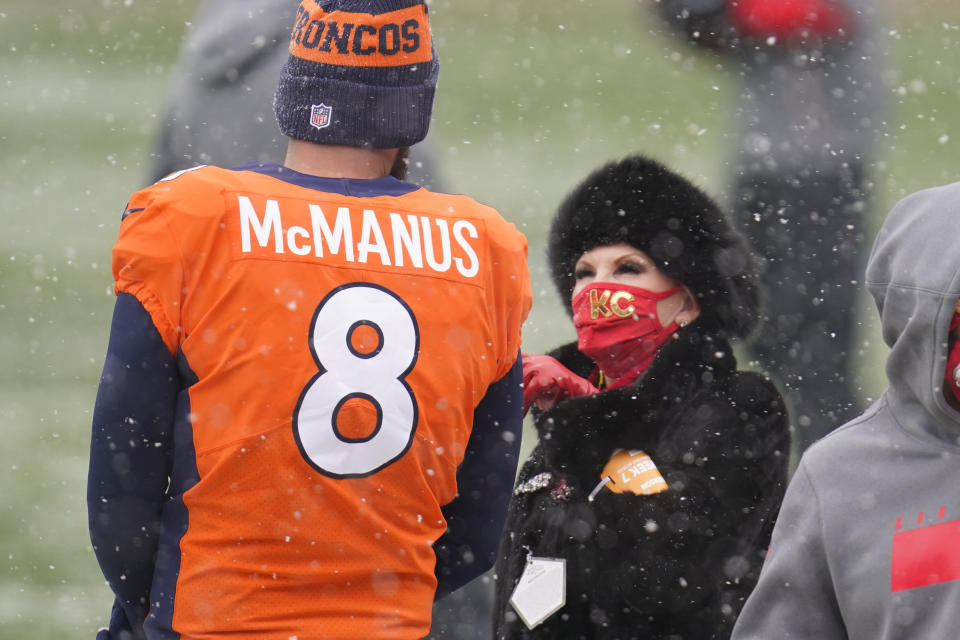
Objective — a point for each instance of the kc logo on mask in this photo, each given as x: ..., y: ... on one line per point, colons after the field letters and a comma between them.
x: 606, y: 303
x: 618, y: 327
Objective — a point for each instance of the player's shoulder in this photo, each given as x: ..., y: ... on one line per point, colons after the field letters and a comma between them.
x: 196, y: 185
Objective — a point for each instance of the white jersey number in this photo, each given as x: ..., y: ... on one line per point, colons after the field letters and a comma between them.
x: 375, y: 376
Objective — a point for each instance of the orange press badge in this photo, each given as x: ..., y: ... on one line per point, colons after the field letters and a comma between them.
x: 633, y: 471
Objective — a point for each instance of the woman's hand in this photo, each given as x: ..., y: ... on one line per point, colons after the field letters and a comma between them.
x: 546, y: 382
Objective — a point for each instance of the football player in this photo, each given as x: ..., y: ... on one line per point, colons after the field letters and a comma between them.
x: 309, y: 417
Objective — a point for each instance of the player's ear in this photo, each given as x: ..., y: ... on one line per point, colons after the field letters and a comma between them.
x: 400, y: 163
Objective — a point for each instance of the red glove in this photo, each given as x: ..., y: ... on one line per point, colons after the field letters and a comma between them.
x: 546, y: 382
x: 788, y: 19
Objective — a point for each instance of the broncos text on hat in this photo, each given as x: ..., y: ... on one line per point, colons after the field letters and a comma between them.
x: 360, y: 73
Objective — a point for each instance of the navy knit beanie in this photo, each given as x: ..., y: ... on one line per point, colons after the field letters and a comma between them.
x: 361, y: 73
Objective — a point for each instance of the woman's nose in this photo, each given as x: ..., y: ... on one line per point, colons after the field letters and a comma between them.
x: 603, y: 275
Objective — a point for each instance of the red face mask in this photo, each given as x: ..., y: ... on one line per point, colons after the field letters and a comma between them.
x: 952, y: 373
x: 618, y: 327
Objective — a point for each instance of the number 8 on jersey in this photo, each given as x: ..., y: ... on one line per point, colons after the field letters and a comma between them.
x: 365, y: 341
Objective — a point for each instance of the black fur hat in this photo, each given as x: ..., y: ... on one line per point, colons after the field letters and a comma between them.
x: 642, y: 203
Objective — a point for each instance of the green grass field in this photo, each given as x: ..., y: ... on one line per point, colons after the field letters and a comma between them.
x: 533, y: 95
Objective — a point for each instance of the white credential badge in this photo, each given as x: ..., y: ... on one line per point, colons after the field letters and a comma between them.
x: 541, y: 591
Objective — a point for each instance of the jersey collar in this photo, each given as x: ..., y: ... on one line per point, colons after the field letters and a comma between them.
x: 355, y: 187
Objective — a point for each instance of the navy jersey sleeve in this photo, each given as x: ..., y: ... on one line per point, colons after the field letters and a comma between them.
x: 476, y: 516
x: 130, y: 457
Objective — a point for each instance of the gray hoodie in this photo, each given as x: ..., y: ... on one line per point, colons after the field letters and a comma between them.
x: 219, y: 109
x: 867, y: 543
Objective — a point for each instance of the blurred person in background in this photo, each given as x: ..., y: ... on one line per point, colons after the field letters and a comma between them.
x: 292, y: 437
x: 809, y: 112
x: 866, y: 542
x: 646, y: 507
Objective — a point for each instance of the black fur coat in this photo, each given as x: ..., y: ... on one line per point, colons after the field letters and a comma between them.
x: 673, y: 565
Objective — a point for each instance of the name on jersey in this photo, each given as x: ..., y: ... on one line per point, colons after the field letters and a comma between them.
x: 361, y: 237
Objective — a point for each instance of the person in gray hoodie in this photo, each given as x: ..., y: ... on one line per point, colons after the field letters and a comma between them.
x: 866, y: 543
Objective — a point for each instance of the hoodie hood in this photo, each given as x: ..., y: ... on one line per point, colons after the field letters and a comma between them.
x: 230, y: 37
x: 913, y: 274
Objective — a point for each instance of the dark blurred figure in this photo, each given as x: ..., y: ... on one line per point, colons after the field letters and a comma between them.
x: 223, y: 84
x: 808, y: 113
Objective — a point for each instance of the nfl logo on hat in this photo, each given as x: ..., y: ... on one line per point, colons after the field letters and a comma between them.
x: 320, y: 115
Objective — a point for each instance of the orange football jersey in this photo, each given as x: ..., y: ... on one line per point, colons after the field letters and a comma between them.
x: 338, y: 335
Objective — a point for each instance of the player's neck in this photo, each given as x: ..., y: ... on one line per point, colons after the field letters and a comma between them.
x: 332, y: 161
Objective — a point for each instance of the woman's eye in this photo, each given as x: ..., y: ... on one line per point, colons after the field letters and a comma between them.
x: 582, y: 272
x: 629, y: 267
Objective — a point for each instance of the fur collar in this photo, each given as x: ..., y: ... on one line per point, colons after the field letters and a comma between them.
x: 687, y: 361
x: 580, y: 433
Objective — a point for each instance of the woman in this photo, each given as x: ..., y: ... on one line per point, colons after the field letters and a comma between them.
x: 646, y: 507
